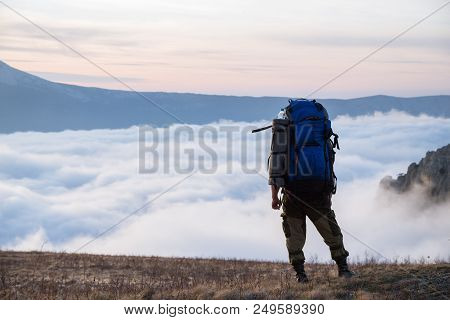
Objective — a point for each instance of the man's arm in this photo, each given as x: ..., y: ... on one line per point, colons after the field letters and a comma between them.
x: 276, y: 203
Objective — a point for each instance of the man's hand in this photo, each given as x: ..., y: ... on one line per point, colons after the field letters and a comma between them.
x: 276, y: 203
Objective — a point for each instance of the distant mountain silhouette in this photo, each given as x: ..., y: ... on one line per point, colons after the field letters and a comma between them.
x: 31, y: 103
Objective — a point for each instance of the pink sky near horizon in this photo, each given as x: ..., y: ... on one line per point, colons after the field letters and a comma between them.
x: 257, y: 48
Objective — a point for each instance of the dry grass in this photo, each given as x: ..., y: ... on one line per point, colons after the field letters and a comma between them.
x: 44, y: 275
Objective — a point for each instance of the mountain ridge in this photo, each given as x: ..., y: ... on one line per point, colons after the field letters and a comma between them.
x: 430, y: 173
x: 31, y: 103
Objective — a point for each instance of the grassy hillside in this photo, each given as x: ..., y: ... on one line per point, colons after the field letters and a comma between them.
x: 43, y: 275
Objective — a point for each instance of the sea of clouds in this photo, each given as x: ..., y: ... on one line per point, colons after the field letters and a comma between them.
x: 58, y: 191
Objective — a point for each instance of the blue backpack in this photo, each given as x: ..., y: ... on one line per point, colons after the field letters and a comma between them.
x: 310, y: 154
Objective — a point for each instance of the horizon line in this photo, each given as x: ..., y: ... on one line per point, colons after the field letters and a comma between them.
x: 34, y: 74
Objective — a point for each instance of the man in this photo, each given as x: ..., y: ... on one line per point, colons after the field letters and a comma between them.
x: 301, y: 162
x: 296, y: 206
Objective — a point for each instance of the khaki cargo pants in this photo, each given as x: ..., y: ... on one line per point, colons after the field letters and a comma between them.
x: 323, y: 217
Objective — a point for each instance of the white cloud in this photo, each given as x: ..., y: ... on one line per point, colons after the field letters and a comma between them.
x: 64, y: 188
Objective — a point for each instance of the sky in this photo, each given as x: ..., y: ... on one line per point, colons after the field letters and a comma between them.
x: 59, y: 190
x: 252, y: 47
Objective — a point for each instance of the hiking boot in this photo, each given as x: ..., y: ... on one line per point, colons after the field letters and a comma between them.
x: 300, y: 272
x: 343, y: 269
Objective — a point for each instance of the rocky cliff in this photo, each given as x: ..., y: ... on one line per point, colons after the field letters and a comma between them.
x: 431, y: 173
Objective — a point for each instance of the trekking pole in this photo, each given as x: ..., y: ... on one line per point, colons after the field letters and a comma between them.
x: 261, y: 129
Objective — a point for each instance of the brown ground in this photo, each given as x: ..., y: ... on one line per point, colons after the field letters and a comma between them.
x: 44, y: 275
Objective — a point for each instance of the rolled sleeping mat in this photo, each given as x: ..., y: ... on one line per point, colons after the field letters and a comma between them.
x: 278, y: 159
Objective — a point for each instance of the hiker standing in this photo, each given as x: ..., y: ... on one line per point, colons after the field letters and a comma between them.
x: 301, y: 165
